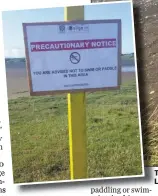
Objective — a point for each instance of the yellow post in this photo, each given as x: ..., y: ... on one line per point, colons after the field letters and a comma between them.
x: 77, y: 116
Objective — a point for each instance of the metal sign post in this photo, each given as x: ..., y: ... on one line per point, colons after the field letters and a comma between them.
x: 77, y: 116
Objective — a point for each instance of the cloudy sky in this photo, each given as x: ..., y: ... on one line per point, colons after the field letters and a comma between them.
x: 13, y: 33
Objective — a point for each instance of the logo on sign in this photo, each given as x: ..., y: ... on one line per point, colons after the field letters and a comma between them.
x: 73, y: 28
x: 70, y: 28
x: 78, y: 28
x: 62, y: 28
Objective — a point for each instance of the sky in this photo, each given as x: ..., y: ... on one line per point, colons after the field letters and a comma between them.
x: 13, y: 32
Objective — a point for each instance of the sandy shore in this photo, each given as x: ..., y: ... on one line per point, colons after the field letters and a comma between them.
x: 17, y: 84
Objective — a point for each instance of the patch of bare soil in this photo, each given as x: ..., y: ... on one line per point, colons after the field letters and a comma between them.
x: 146, y: 31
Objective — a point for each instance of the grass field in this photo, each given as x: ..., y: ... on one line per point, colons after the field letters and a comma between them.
x: 39, y: 135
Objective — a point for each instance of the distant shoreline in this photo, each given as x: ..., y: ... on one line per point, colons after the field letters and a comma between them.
x: 126, y: 54
x: 17, y: 84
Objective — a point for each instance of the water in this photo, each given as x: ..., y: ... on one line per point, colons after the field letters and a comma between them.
x: 128, y: 69
x: 127, y: 65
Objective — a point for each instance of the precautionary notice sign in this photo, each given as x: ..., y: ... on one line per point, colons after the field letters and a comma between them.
x: 73, y: 56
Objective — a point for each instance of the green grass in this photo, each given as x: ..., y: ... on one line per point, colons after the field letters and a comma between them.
x: 39, y: 135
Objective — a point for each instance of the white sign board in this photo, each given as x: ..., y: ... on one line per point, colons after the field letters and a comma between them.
x: 73, y: 56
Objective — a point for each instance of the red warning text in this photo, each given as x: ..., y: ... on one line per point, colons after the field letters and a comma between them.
x: 73, y: 44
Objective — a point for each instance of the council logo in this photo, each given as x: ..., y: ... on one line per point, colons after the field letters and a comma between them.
x: 62, y: 28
